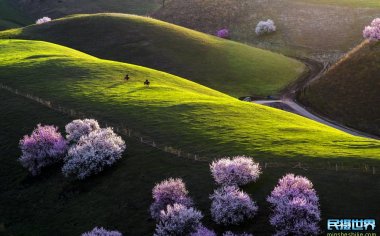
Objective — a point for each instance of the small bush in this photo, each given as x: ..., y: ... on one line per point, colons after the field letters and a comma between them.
x: 45, y: 146
x: 372, y: 32
x: 229, y: 233
x: 223, y: 33
x: 78, y: 128
x: 101, y: 232
x: 92, y: 153
x: 178, y: 220
x: 295, y: 207
x: 239, y: 170
x: 169, y: 192
x: 43, y: 20
x: 230, y: 206
x: 265, y: 27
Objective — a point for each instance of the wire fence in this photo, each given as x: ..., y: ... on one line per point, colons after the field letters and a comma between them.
x: 130, y: 133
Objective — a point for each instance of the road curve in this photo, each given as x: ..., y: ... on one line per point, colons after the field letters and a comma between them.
x: 289, y: 103
x: 292, y: 106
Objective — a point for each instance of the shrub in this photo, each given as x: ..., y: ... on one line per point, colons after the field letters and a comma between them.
x: 223, y: 33
x: 78, y: 128
x: 203, y: 231
x: 178, y: 220
x: 168, y: 192
x: 372, y: 32
x: 265, y: 27
x: 92, y: 153
x: 295, y: 207
x: 230, y: 206
x: 45, y: 146
x: 229, y: 233
x: 101, y: 232
x: 43, y: 20
x: 239, y: 170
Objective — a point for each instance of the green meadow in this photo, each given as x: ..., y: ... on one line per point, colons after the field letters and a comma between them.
x: 230, y: 67
x: 119, y: 197
x: 172, y: 110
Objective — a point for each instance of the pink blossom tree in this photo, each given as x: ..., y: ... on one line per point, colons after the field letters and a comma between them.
x: 239, y: 170
x: 223, y: 33
x: 43, y: 20
x: 169, y: 192
x: 100, y: 231
x: 78, y: 128
x: 295, y: 207
x: 45, y: 146
x: 203, y: 231
x: 93, y: 152
x: 372, y: 32
x: 229, y: 233
x: 265, y: 27
x: 178, y: 219
x: 231, y: 206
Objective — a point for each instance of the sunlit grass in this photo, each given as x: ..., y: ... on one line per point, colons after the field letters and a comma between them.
x: 230, y: 67
x: 172, y: 110
x: 119, y: 197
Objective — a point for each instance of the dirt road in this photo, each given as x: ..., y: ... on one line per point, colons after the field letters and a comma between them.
x: 289, y: 102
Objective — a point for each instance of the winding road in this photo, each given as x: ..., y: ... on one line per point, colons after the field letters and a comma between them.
x: 288, y: 101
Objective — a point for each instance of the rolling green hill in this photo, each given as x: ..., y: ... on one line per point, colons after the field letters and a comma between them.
x: 224, y: 65
x: 349, y: 91
x: 62, y: 8
x: 172, y: 110
x: 10, y: 17
x: 119, y: 197
x: 322, y: 29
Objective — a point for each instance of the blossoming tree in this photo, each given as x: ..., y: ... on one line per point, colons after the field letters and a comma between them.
x: 169, y: 192
x: 265, y: 27
x: 239, y: 170
x: 92, y: 153
x: 372, y: 32
x: 100, y: 231
x: 43, y: 20
x: 231, y: 206
x: 295, y: 207
x: 45, y: 146
x: 178, y: 219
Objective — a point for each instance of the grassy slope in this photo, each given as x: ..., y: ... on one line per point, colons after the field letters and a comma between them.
x: 173, y: 110
x: 68, y: 7
x: 226, y: 66
x: 303, y: 29
x: 349, y: 91
x: 119, y: 197
x: 10, y: 17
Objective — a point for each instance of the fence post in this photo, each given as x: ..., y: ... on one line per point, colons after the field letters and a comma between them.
x: 336, y: 167
x: 373, y: 170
